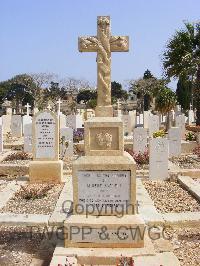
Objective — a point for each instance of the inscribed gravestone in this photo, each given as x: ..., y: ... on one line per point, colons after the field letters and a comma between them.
x: 46, y: 166
x: 66, y: 142
x: 28, y: 138
x: 158, y: 158
x: 139, y: 139
x: 46, y: 136
x: 174, y: 136
x: 16, y: 126
x: 153, y: 124
x: 146, y: 119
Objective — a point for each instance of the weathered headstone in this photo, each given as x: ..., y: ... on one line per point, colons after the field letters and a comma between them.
x: 180, y: 122
x: 190, y: 116
x: 66, y: 142
x: 154, y: 124
x: 16, y: 126
x: 74, y: 121
x: 46, y: 166
x: 174, y: 136
x: 146, y: 119
x: 158, y: 158
x: 140, y: 140
x: 28, y: 138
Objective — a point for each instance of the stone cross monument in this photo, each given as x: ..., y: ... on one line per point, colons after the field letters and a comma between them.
x: 105, y: 177
x: 104, y: 44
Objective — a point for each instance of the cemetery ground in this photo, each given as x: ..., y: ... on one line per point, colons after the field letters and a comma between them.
x: 29, y: 212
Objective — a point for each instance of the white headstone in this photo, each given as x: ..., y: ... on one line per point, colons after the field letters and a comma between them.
x: 180, y: 122
x: 28, y: 138
x: 74, y: 121
x: 146, y: 119
x: 6, y: 121
x: 174, y: 136
x: 27, y: 119
x: 158, y: 158
x: 46, y: 136
x: 66, y: 142
x: 126, y: 119
x: 154, y: 124
x: 190, y: 117
x: 16, y: 126
x: 140, y: 139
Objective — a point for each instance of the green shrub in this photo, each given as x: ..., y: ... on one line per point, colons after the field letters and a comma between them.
x: 159, y: 134
x: 190, y: 136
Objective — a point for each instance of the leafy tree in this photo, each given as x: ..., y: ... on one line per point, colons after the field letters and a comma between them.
x: 165, y: 102
x: 53, y: 93
x: 86, y: 95
x: 117, y: 92
x: 4, y: 88
x: 18, y: 90
x: 145, y: 88
x: 92, y: 103
x: 184, y: 92
x: 182, y: 58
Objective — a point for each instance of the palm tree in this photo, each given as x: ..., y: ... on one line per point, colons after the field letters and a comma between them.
x: 165, y: 101
x: 182, y: 58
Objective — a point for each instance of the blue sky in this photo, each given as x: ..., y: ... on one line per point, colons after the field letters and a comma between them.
x: 42, y: 35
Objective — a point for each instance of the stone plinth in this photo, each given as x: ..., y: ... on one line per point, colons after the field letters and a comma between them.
x: 104, y: 136
x: 104, y: 111
x: 107, y: 189
x: 46, y: 171
x: 125, y: 232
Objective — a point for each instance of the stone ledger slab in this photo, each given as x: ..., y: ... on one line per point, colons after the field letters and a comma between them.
x: 104, y: 231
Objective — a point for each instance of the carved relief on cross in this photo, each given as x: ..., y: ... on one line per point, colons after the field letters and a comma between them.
x: 104, y: 44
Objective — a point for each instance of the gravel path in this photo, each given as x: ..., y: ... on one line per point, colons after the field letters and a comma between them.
x: 186, y: 245
x: 170, y: 197
x: 187, y: 162
x: 17, y: 247
x: 44, y: 205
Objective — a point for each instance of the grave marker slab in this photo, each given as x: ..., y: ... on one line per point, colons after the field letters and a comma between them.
x: 154, y: 124
x: 28, y: 138
x: 16, y: 126
x: 140, y: 139
x: 174, y: 136
x: 158, y: 158
x: 46, y: 166
x: 66, y: 142
x: 180, y: 122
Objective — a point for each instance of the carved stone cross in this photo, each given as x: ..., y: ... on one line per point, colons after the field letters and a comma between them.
x: 27, y: 108
x: 104, y: 44
x: 59, y: 102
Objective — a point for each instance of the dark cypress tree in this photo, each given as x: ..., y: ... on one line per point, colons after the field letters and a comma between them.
x: 184, y: 92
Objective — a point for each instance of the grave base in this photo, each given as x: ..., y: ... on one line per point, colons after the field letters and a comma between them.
x: 104, y: 231
x: 46, y: 171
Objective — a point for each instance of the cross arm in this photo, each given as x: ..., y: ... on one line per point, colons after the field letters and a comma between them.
x: 119, y: 43
x: 87, y: 44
